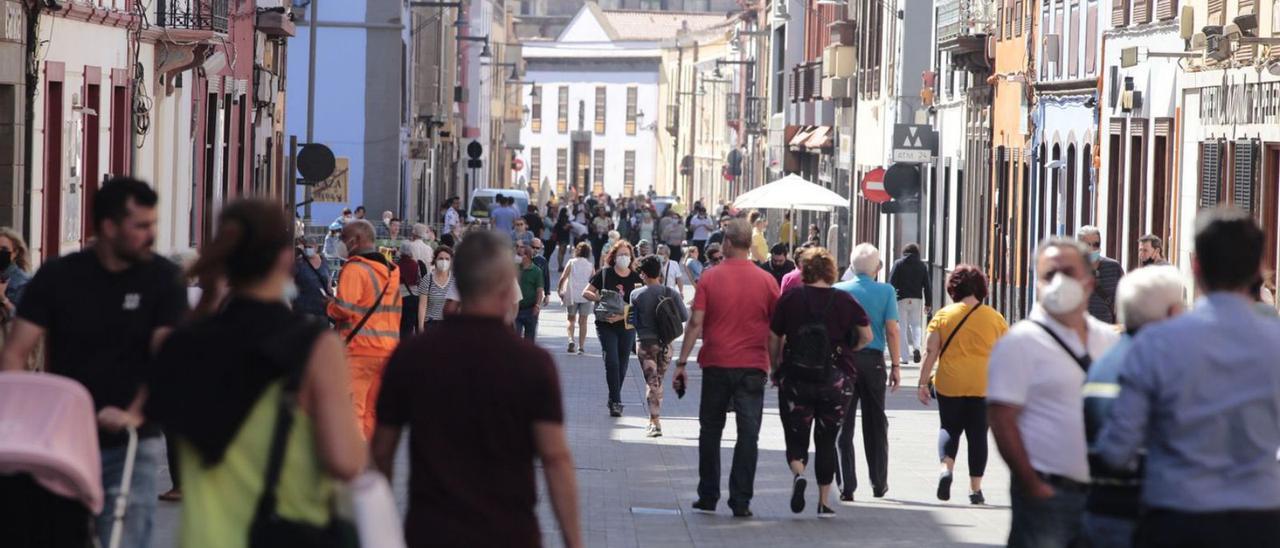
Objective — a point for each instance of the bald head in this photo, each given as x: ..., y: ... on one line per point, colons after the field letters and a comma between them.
x: 357, y: 235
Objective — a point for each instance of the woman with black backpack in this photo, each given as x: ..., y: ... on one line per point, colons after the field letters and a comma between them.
x: 658, y: 314
x: 814, y: 332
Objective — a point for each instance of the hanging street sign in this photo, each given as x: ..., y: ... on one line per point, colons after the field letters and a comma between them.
x: 914, y: 143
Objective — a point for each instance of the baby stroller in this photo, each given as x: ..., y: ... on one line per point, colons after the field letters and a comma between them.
x: 50, y: 468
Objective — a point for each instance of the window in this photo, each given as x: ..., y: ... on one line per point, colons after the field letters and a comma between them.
x: 1120, y: 13
x: 562, y: 170
x: 1141, y: 11
x: 597, y: 171
x: 632, y: 99
x: 1044, y: 46
x: 1017, y: 19
x: 1217, y: 10
x: 535, y: 165
x: 600, y: 110
x: 1167, y: 9
x: 1073, y: 54
x: 120, y: 130
x: 1091, y: 37
x: 1058, y: 17
x: 629, y: 174
x: 562, y: 110
x: 535, y: 112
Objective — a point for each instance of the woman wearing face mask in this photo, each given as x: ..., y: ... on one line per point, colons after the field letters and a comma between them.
x: 221, y: 382
x: 13, y: 273
x: 437, y: 292
x: 617, y: 337
x: 310, y: 280
x: 647, y: 225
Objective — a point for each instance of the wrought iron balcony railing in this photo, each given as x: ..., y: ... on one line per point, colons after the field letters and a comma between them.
x: 192, y: 14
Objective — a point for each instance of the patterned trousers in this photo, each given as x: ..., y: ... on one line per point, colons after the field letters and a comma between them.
x: 654, y: 358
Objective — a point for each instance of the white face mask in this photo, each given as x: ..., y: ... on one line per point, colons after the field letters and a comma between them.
x: 1063, y: 294
x: 623, y: 261
x: 442, y: 265
x: 519, y: 259
x: 309, y: 252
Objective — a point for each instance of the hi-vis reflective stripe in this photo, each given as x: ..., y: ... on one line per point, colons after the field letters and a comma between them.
x: 1101, y: 390
x: 352, y: 307
x: 377, y: 290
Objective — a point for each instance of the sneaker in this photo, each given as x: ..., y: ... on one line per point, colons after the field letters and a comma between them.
x: 653, y: 431
x: 879, y: 492
x: 915, y: 355
x: 615, y: 410
x: 944, y: 486
x: 572, y: 348
x: 742, y: 513
x: 704, y: 506
x: 825, y: 511
x: 846, y: 497
x: 172, y: 495
x: 582, y: 351
x: 797, y: 494
x: 976, y: 498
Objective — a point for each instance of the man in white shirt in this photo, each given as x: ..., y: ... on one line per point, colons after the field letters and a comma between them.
x: 1035, y: 400
x: 451, y: 217
x: 672, y: 272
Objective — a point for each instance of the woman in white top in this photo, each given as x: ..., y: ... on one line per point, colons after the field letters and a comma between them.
x: 573, y: 279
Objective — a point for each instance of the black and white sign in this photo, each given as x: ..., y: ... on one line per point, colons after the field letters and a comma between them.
x: 914, y: 143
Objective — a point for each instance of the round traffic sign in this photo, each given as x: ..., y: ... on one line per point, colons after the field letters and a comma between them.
x: 316, y: 162
x: 475, y: 150
x: 517, y: 165
x: 873, y: 186
x: 902, y: 181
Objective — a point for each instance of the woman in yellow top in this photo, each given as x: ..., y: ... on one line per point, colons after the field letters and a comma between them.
x: 961, y: 337
x: 218, y: 384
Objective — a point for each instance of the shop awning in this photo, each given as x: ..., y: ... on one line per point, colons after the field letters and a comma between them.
x: 798, y: 140
x: 819, y: 138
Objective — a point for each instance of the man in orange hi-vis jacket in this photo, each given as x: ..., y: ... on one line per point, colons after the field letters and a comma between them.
x: 368, y: 285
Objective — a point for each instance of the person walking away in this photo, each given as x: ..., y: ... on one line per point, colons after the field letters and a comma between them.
x: 502, y: 216
x: 693, y: 264
x: 219, y: 383
x: 655, y: 308
x: 701, y: 226
x: 1199, y: 392
x: 793, y: 278
x: 759, y: 244
x: 1106, y: 273
x: 562, y: 232
x: 366, y: 309
x: 14, y: 276
x: 786, y: 232
x: 471, y: 478
x: 813, y: 335
x: 671, y: 273
x: 437, y: 291
x: 610, y: 289
x: 878, y: 300
x: 673, y: 233
x: 412, y: 268
x: 731, y: 312
x: 646, y: 224
x: 423, y: 240
x: 531, y: 294
x: 116, y: 281
x: 717, y: 237
x: 778, y: 264
x: 311, y: 281
x: 451, y: 216
x: 1151, y: 251
x: 1034, y: 399
x: 1145, y: 297
x: 574, y: 278
x: 533, y: 221
x: 910, y: 278
x: 960, y: 339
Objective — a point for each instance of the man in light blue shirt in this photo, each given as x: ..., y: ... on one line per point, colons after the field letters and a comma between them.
x: 502, y: 215
x: 880, y: 300
x: 1201, y: 393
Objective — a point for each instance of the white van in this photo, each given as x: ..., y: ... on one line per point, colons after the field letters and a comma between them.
x: 484, y: 198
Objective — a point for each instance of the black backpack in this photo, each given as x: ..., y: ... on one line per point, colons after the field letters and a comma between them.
x: 667, y: 321
x: 810, y: 355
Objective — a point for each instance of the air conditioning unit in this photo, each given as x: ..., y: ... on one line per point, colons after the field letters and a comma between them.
x: 835, y: 88
x: 838, y: 61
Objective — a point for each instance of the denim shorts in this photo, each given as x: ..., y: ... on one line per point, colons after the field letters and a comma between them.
x: 579, y: 309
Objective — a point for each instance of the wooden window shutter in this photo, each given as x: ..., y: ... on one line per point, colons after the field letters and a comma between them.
x: 1017, y: 19
x: 1246, y: 53
x: 1119, y: 13
x: 1210, y: 173
x: 1163, y: 127
x: 1166, y: 9
x: 1217, y: 10
x: 1244, y: 172
x: 1141, y: 11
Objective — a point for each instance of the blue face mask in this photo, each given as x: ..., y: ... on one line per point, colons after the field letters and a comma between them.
x: 1094, y: 256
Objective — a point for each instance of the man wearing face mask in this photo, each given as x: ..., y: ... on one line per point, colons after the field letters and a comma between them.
x: 1151, y: 251
x: 1107, y: 273
x: 311, y: 280
x: 1035, y: 398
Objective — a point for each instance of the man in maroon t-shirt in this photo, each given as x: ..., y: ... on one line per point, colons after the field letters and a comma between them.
x: 731, y: 312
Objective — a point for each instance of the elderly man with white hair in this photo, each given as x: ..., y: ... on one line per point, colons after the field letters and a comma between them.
x: 880, y: 300
x: 1145, y: 296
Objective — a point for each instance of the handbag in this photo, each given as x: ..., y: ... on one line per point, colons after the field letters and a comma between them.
x: 611, y: 302
x: 269, y: 529
x: 933, y: 391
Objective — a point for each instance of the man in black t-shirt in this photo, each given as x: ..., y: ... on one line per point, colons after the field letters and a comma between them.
x: 104, y: 311
x: 481, y: 404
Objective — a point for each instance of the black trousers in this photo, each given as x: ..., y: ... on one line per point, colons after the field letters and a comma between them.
x: 870, y: 390
x: 745, y: 387
x: 1244, y: 529
x: 968, y: 416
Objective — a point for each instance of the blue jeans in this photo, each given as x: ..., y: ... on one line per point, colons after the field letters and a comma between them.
x: 527, y: 324
x: 617, y: 343
x: 745, y: 387
x: 1105, y: 531
x: 142, y: 492
x: 1052, y: 523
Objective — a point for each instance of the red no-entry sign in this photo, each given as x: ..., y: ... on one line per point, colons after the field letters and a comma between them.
x: 873, y: 186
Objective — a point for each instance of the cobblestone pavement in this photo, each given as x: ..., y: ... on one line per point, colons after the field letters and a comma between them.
x: 635, y: 491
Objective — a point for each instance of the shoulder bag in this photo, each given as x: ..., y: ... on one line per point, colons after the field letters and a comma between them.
x: 611, y: 302
x: 1083, y: 361
x: 933, y: 391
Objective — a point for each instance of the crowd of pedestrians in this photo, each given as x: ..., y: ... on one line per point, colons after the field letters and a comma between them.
x: 279, y: 367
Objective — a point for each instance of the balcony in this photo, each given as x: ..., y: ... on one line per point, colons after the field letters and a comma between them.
x: 208, y: 15
x: 963, y: 26
x: 732, y: 113
x: 755, y: 118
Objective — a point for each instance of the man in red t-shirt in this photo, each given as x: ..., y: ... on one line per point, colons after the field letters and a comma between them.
x: 731, y: 312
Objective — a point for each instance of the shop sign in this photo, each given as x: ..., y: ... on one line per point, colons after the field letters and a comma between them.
x: 1236, y: 102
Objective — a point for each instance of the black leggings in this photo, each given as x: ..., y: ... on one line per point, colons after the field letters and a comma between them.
x: 818, y: 406
x: 969, y: 415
